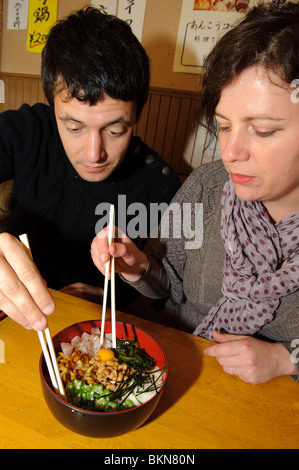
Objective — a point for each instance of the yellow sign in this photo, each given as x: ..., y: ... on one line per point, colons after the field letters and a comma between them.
x: 41, y: 17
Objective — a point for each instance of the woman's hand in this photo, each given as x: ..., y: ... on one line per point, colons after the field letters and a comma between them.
x: 84, y: 291
x: 23, y: 292
x: 253, y: 360
x: 129, y: 260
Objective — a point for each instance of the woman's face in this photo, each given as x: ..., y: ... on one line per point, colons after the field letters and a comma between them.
x: 259, y: 140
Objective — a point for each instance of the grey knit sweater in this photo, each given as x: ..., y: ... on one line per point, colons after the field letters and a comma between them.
x: 192, y: 278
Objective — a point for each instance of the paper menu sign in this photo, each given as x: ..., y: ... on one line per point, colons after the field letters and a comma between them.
x: 17, y: 17
x: 199, y: 29
x: 132, y: 12
x: 41, y: 17
x: 105, y: 6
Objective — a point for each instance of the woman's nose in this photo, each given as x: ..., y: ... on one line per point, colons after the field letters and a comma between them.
x: 234, y: 146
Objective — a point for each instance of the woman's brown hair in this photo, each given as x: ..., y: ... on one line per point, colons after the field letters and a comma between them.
x: 267, y: 36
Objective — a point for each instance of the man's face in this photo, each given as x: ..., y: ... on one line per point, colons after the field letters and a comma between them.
x: 95, y: 138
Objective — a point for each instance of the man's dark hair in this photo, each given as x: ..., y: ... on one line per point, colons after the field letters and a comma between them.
x: 268, y: 36
x: 90, y: 54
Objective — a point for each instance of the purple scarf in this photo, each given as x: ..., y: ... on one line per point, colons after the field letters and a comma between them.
x: 261, y: 265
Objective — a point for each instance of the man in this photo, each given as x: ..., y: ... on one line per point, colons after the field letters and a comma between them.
x: 69, y: 158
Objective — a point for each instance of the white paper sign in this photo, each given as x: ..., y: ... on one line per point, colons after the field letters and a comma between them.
x: 106, y: 6
x: 133, y: 11
x: 17, y: 14
x: 199, y: 30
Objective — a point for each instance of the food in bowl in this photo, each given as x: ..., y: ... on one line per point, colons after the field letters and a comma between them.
x: 103, y: 424
x: 99, y: 378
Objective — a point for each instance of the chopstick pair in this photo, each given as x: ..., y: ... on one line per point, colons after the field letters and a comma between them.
x: 50, y: 359
x: 109, y: 264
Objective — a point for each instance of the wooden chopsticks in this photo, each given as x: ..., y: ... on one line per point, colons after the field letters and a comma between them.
x: 47, y: 344
x: 109, y: 264
x: 50, y: 359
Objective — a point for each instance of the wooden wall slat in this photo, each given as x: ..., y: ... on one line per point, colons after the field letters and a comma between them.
x: 180, y: 133
x: 190, y: 136
x: 152, y: 120
x: 162, y: 121
x: 140, y: 128
x: 167, y: 124
x: 173, y: 117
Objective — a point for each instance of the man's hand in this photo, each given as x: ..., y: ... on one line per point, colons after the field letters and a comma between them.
x: 253, y: 360
x: 129, y: 260
x: 23, y: 292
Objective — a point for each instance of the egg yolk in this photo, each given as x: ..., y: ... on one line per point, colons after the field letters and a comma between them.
x: 105, y: 354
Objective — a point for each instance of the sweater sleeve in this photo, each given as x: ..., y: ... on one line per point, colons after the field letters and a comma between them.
x: 154, y: 283
x: 167, y: 252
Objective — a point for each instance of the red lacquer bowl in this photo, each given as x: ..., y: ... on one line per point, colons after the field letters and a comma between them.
x: 95, y: 423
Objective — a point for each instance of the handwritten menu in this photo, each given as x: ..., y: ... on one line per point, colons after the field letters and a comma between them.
x: 41, y: 17
x: 130, y: 11
x: 17, y: 14
x: 202, y: 23
x: 105, y: 6
x: 133, y: 11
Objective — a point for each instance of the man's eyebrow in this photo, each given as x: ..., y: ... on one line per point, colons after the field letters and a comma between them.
x: 68, y: 117
x: 254, y: 118
x: 120, y: 120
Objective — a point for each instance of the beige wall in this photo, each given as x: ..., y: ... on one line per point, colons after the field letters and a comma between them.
x: 159, y: 39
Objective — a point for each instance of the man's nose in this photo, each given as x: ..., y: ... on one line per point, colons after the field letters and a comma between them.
x: 95, y: 150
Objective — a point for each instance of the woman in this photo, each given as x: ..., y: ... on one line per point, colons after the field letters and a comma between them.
x: 240, y: 287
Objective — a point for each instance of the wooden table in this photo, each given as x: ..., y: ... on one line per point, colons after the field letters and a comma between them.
x: 201, y: 407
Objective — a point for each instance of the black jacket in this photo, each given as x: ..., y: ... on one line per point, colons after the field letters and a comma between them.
x: 56, y: 208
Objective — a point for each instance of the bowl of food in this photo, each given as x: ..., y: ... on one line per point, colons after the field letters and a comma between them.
x: 108, y: 391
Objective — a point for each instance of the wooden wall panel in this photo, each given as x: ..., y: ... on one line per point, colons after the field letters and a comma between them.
x: 169, y: 125
x: 162, y: 124
x: 168, y: 122
x: 21, y: 89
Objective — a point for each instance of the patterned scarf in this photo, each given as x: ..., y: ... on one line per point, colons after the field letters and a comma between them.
x: 261, y: 265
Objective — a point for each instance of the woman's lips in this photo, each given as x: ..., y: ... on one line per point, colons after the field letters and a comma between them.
x: 241, y: 179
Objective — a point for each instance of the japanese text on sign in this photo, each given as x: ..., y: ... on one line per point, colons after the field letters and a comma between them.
x: 204, y: 33
x: 199, y: 29
x: 42, y: 16
x: 17, y: 14
x: 132, y: 12
x: 107, y: 7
